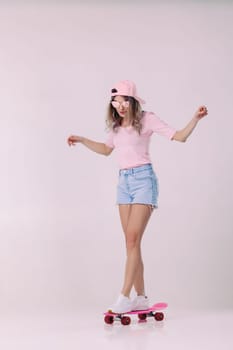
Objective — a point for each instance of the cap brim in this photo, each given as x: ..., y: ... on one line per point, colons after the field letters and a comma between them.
x: 140, y: 100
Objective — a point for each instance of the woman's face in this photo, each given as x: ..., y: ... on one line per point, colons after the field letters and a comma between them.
x: 121, y: 105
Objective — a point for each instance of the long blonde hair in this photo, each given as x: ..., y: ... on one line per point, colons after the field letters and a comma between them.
x: 114, y: 120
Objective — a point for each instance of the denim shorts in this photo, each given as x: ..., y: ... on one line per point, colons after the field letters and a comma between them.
x: 138, y: 185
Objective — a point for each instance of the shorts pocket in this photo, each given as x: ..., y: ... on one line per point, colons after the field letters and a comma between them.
x: 144, y: 174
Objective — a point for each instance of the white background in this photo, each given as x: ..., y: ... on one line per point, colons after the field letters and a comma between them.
x: 61, y: 245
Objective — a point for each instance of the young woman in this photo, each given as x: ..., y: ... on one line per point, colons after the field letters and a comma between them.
x: 137, y: 190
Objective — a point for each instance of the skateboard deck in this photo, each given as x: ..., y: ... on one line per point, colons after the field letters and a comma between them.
x: 154, y: 311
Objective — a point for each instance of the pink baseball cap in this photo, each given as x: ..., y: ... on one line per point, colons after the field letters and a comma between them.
x: 126, y: 88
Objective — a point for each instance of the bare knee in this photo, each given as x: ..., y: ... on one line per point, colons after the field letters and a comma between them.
x: 131, y: 244
x: 132, y: 241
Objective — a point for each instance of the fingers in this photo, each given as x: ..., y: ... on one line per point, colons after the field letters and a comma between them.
x: 71, y: 141
x: 203, y: 110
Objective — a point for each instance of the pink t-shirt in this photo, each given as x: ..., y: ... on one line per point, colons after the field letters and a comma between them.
x: 131, y: 148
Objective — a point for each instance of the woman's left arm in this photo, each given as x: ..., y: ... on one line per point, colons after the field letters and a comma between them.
x: 183, y: 134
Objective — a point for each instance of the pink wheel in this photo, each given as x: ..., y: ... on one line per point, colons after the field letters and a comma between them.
x: 142, y: 317
x: 159, y: 316
x: 125, y: 320
x: 109, y: 319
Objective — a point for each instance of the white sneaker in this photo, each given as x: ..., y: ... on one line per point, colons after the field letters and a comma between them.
x: 122, y: 305
x: 140, y: 302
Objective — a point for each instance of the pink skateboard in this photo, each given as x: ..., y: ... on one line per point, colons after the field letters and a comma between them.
x: 154, y: 311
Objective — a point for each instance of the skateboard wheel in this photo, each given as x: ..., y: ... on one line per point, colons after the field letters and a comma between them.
x: 142, y: 317
x: 125, y: 320
x: 159, y: 316
x: 109, y: 319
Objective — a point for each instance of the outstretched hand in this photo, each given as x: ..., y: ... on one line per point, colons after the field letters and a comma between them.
x: 201, y: 112
x: 73, y: 139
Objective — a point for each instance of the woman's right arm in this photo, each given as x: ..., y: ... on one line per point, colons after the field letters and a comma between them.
x: 94, y: 146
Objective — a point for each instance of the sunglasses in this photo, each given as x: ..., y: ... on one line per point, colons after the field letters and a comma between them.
x: 117, y: 104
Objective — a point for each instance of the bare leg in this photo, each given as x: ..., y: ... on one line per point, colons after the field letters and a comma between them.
x: 134, y: 219
x: 139, y: 285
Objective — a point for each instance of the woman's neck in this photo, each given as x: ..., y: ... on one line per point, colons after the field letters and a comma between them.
x: 126, y: 122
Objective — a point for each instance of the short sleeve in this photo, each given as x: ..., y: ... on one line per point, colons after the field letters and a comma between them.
x: 157, y: 125
x: 109, y: 140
